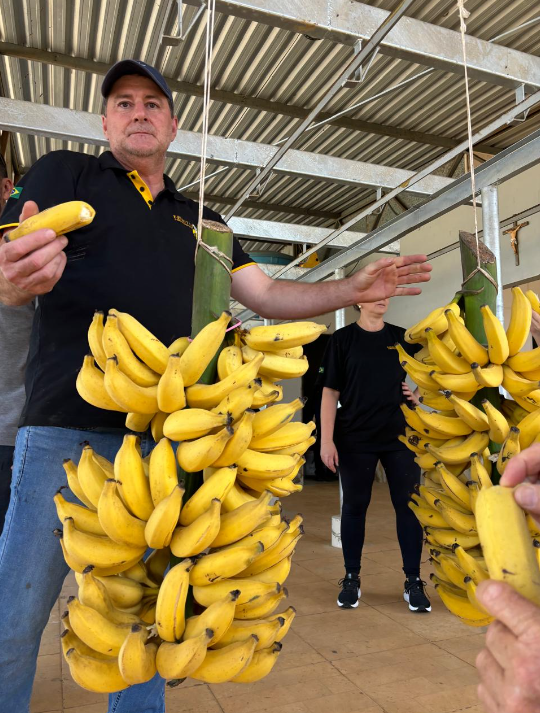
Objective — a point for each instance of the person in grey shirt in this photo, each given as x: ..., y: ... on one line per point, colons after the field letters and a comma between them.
x: 15, y: 328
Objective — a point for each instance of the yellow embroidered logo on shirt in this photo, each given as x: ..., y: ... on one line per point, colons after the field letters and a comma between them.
x: 179, y: 219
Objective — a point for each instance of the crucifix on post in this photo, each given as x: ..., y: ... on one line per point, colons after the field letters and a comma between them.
x: 514, y: 242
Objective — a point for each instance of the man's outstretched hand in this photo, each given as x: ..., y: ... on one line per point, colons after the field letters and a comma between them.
x: 390, y: 277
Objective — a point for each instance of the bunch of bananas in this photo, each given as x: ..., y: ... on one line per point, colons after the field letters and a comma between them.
x: 233, y: 547
x: 451, y: 444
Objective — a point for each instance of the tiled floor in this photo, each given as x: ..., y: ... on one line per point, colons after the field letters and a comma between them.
x: 379, y: 657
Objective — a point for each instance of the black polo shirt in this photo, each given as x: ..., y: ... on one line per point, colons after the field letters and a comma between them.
x: 136, y: 256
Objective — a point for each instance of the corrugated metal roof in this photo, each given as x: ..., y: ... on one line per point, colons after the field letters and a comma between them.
x: 271, y: 64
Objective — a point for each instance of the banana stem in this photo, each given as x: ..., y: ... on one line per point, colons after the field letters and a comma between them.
x: 211, y: 296
x: 479, y: 290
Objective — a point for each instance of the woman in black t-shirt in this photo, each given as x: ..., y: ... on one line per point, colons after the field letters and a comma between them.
x: 365, y: 376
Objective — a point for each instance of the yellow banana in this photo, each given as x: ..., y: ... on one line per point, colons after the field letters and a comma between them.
x: 265, y: 398
x: 239, y: 441
x: 162, y: 472
x: 192, y: 423
x: 475, y: 418
x: 117, y: 522
x: 498, y: 348
x: 203, y: 348
x: 277, y: 337
x: 62, y: 218
x: 179, y: 346
x: 137, y: 659
x: 412, y: 361
x: 199, y: 534
x: 237, y: 401
x: 468, y: 346
x: 449, y: 426
x: 453, y: 486
x: 434, y: 319
x: 196, y: 455
x: 96, y: 549
x: 520, y: 321
x: 265, y: 630
x: 450, y: 538
x: 470, y: 565
x: 491, y: 375
x: 217, y: 617
x: 529, y: 428
x: 452, y: 571
x: 291, y: 353
x: 91, y: 475
x: 229, y: 360
x: 223, y: 564
x: 132, y: 481
x: 276, y: 367
x: 95, y: 339
x: 516, y: 384
x: 456, y: 382
x: 123, y: 591
x: 455, y: 518
x: 171, y: 395
x: 171, y: 601
x: 97, y: 675
x: 460, y: 453
x: 145, y: 345
x: 284, y: 547
x: 526, y: 361
x: 263, y: 607
x: 179, y: 660
x: 262, y: 662
x: 240, y: 522
x: 84, y: 518
x: 73, y: 482
x: 534, y: 301
x: 509, y: 449
x: 221, y: 665
x: 157, y: 562
x: 115, y: 344
x: 253, y: 464
x: 288, y: 615
x: 163, y: 520
x: 533, y: 374
x: 275, y: 417
x: 139, y: 573
x: 250, y: 590
x: 431, y: 494
x: 218, y: 485
x: 156, y: 425
x: 94, y: 594
x: 479, y: 473
x: 427, y: 516
x: 506, y: 542
x: 235, y: 497
x: 420, y: 377
x: 206, y: 396
x: 462, y: 608
x: 527, y: 405
x: 278, y: 573
x: 90, y: 385
x: 126, y: 393
x: 414, y: 421
x: 70, y: 640
x: 138, y: 422
x: 444, y: 357
x: 94, y: 629
x: 499, y: 427
x: 289, y: 435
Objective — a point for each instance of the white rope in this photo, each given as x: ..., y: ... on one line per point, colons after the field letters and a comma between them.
x: 463, y: 15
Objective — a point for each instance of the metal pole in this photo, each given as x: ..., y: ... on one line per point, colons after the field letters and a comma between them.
x: 491, y: 237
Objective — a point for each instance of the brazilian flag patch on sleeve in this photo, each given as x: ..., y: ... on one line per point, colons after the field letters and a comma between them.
x: 16, y: 192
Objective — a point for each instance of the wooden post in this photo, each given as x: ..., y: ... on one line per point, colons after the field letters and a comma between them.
x: 479, y: 290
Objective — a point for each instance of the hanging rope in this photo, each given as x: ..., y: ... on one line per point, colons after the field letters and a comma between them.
x: 463, y: 15
x: 224, y: 260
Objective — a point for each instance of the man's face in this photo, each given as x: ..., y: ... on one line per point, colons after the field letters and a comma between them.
x: 6, y: 186
x: 138, y: 123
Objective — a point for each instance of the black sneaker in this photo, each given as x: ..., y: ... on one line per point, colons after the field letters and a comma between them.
x: 415, y: 595
x: 350, y: 591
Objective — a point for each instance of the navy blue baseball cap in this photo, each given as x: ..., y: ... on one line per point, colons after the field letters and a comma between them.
x: 135, y: 66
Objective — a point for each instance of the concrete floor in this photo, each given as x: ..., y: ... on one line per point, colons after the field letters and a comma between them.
x: 379, y: 657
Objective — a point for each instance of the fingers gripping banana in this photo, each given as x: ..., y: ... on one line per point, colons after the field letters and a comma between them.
x: 202, y: 349
x: 132, y: 481
x: 171, y: 395
x: 95, y: 340
x: 171, y: 601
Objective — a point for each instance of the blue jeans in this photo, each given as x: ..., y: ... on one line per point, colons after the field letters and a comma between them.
x: 32, y: 568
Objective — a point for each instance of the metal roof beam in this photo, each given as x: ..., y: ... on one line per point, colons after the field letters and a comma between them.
x: 271, y: 231
x: 346, y: 22
x: 257, y: 103
x: 67, y: 124
x: 211, y: 199
x: 509, y: 163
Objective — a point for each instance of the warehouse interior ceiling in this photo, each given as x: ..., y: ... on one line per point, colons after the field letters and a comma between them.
x: 270, y: 66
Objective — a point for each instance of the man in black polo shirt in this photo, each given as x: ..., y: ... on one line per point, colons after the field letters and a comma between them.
x: 136, y: 256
